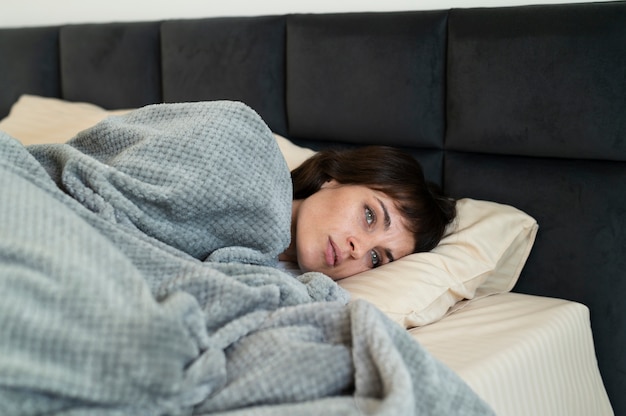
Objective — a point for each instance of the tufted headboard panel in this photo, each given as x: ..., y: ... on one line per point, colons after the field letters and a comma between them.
x: 228, y: 58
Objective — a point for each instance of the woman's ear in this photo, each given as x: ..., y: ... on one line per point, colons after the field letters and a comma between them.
x: 329, y: 183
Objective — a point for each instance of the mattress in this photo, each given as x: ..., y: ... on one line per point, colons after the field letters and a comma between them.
x: 525, y: 355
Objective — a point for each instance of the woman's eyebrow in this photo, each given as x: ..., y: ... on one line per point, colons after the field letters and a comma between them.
x: 387, y: 221
x: 385, y: 214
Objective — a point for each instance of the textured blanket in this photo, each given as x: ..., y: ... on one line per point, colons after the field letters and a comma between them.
x: 135, y: 272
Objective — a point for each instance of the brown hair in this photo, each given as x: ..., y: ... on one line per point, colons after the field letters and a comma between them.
x: 425, y: 209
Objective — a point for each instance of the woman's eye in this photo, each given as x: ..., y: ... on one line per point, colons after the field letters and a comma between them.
x: 375, y: 258
x: 370, y: 216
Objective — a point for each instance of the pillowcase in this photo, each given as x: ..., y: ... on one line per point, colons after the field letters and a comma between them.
x: 294, y: 155
x: 481, y: 254
x: 41, y: 120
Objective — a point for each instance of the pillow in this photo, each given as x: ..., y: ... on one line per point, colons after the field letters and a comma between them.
x: 294, y: 154
x: 482, y: 253
x: 41, y: 120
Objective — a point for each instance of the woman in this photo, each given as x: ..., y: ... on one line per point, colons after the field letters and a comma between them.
x: 362, y: 208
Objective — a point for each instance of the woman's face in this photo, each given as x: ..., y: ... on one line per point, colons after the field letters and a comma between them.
x: 342, y: 230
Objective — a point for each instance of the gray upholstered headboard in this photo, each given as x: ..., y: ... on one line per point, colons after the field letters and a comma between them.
x: 520, y: 105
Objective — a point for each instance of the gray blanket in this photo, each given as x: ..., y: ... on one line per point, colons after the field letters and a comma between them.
x: 136, y: 278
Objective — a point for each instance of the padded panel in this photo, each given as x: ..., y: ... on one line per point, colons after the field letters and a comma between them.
x: 114, y: 65
x: 30, y: 64
x: 228, y: 58
x: 538, y: 80
x: 580, y: 246
x: 367, y: 78
x: 432, y: 164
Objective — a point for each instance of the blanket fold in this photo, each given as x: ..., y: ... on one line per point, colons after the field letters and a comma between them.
x: 177, y: 173
x: 135, y: 281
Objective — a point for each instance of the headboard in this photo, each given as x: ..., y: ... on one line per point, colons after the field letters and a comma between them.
x: 520, y: 105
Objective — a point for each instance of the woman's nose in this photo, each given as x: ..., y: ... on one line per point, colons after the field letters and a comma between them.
x: 356, y: 247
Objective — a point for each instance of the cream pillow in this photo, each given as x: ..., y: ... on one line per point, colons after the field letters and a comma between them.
x: 40, y: 120
x: 294, y: 154
x: 482, y: 253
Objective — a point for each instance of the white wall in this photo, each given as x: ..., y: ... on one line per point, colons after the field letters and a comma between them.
x: 16, y: 13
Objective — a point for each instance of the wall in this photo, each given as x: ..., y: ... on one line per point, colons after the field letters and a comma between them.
x: 17, y: 13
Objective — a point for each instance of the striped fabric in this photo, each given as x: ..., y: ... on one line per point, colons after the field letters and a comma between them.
x: 524, y: 355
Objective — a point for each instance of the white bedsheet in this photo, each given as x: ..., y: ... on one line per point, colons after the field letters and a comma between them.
x: 524, y: 355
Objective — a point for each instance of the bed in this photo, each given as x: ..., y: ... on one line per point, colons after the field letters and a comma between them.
x: 518, y: 112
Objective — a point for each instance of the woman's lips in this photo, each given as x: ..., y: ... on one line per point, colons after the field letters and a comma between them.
x: 331, y: 253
